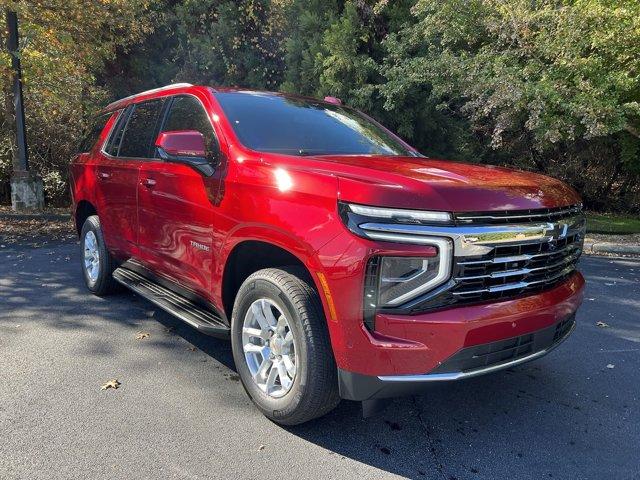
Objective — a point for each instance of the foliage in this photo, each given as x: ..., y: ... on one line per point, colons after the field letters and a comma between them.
x: 232, y: 42
x: 612, y: 224
x: 548, y: 85
x: 63, y: 43
x: 543, y: 82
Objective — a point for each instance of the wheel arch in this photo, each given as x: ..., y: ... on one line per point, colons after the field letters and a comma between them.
x: 84, y: 209
x: 250, y: 255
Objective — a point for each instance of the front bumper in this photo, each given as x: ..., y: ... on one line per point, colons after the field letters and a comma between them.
x: 410, y: 351
x: 467, y: 363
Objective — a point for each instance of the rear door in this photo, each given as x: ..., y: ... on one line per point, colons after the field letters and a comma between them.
x: 176, y: 206
x: 117, y: 175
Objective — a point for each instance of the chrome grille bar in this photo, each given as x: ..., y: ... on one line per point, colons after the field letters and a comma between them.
x: 520, y: 258
x: 521, y: 271
x: 516, y: 286
x: 519, y: 216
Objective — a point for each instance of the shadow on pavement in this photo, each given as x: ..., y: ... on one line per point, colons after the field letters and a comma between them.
x: 554, y: 418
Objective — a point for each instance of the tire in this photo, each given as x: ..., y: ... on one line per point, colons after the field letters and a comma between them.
x: 99, y: 281
x: 314, y: 389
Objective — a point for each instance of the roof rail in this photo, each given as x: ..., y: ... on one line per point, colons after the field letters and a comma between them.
x: 146, y: 92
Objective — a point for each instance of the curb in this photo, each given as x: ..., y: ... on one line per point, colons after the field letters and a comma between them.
x: 613, y: 248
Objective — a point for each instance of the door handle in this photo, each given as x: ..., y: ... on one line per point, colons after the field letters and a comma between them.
x: 103, y: 175
x: 148, y: 182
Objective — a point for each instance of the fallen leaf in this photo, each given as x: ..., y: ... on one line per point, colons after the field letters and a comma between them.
x: 142, y: 335
x: 602, y: 324
x: 611, y: 365
x: 192, y: 349
x: 261, y: 447
x: 111, y: 384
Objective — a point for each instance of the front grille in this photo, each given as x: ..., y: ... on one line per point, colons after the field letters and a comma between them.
x: 510, y: 271
x: 510, y: 261
x: 516, y: 269
x: 494, y: 353
x: 497, y: 255
x: 520, y: 216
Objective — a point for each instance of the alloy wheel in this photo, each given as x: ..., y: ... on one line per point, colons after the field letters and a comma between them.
x: 269, y: 348
x: 91, y: 256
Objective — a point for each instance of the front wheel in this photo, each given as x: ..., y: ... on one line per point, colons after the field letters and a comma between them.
x: 281, y: 347
x: 97, y: 262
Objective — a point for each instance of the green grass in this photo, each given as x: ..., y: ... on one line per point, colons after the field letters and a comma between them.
x: 614, y: 224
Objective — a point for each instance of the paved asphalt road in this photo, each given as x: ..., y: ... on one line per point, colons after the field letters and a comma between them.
x: 181, y: 412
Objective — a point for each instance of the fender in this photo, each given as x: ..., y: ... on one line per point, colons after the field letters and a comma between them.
x: 277, y: 237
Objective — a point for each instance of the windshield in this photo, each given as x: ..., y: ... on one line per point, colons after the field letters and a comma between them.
x: 268, y: 122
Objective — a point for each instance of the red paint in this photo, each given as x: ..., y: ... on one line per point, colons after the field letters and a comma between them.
x: 184, y: 142
x: 153, y: 210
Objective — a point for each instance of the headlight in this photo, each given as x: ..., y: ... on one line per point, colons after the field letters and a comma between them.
x: 393, y: 281
x: 400, y: 213
x: 403, y: 278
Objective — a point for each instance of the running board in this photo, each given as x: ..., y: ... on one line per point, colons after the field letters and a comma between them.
x: 201, y: 319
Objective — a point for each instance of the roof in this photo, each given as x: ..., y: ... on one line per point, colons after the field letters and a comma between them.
x: 181, y: 86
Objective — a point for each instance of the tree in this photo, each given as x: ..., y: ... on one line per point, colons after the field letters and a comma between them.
x: 63, y: 44
x: 224, y: 42
x: 552, y: 85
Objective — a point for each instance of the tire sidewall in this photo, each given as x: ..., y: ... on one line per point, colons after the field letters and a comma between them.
x: 92, y: 224
x: 254, y: 290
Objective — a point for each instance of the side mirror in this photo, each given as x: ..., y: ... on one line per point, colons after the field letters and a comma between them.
x: 334, y: 100
x: 187, y: 147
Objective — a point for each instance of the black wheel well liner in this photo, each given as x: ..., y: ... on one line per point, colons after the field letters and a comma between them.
x: 84, y: 210
x: 248, y: 257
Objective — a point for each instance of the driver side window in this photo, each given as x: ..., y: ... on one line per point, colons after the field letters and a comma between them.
x: 187, y: 113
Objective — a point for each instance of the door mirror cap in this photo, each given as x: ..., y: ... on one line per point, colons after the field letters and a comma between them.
x: 334, y: 100
x: 187, y: 147
x: 182, y: 143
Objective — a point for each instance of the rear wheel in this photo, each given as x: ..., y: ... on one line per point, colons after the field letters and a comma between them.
x: 97, y: 262
x: 281, y: 347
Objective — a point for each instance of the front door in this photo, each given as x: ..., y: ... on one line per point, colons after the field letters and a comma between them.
x: 176, y: 206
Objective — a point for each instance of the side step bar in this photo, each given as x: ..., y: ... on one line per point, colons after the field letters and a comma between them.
x: 186, y: 310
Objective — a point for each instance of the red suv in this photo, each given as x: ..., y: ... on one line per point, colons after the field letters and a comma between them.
x: 341, y: 262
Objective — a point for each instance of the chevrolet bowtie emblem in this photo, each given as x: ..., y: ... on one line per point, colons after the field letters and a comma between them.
x: 557, y: 231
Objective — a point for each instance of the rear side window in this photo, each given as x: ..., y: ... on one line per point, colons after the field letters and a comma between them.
x: 187, y: 113
x: 93, y: 132
x: 113, y: 144
x: 140, y: 130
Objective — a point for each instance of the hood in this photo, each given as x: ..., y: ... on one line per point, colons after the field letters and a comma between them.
x: 423, y: 183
